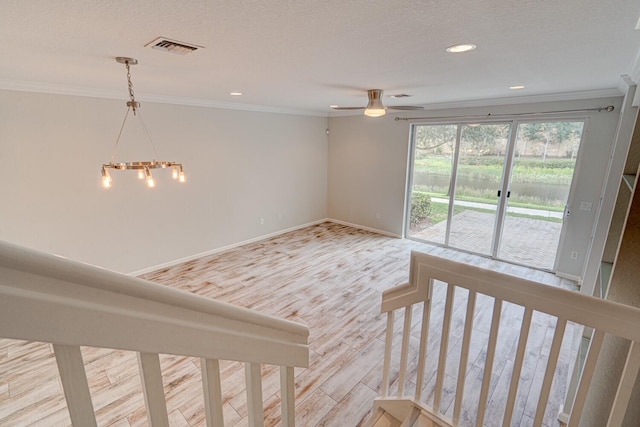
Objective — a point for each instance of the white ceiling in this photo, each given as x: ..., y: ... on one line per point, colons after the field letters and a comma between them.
x: 303, y: 55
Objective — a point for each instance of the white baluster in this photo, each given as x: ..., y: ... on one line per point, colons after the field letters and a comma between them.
x: 153, y: 389
x: 422, y: 353
x: 444, y: 345
x: 287, y: 396
x: 517, y: 366
x: 74, y: 383
x: 464, y: 356
x: 626, y: 385
x: 488, y: 363
x: 404, y: 354
x: 585, y: 378
x: 387, y: 355
x: 212, y: 391
x: 253, y: 377
x: 551, y: 368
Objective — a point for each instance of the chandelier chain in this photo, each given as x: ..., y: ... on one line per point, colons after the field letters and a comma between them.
x: 130, y: 86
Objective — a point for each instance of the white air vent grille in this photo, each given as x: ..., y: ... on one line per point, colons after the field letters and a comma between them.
x: 173, y: 46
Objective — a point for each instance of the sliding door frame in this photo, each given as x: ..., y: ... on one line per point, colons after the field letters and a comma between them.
x: 501, y: 209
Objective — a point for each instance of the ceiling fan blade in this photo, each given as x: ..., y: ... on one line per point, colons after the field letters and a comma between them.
x: 348, y: 108
x: 405, y: 107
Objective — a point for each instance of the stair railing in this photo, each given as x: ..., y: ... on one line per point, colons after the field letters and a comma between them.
x: 568, y: 307
x: 69, y: 304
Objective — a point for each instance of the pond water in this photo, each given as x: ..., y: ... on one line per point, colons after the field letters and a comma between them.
x: 556, y: 194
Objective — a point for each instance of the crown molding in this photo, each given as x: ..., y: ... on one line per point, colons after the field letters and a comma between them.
x: 50, y: 88
x: 28, y: 86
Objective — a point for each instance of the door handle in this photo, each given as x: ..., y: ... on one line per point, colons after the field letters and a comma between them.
x: 508, y: 193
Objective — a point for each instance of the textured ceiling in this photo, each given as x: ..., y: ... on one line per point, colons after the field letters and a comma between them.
x: 305, y: 55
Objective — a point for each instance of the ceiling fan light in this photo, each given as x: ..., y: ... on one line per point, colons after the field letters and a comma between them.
x: 375, y: 112
x: 375, y: 107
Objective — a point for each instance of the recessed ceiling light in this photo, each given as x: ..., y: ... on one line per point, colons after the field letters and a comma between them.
x: 459, y: 48
x: 333, y: 106
x: 235, y: 93
x: 516, y: 87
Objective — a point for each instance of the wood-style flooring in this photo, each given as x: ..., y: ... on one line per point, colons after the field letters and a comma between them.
x: 329, y: 277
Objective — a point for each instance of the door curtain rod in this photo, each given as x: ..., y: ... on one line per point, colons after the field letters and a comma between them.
x: 608, y: 108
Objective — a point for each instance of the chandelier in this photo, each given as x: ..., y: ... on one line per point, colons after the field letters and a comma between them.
x: 143, y: 167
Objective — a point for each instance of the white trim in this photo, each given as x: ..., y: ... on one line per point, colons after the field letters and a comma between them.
x: 362, y: 227
x: 572, y: 277
x: 224, y: 248
x: 59, y: 89
x: 529, y: 99
x: 50, y: 88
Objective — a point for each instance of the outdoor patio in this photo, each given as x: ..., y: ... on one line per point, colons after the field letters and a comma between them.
x: 525, y: 241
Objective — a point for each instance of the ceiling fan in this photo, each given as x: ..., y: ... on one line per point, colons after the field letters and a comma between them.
x: 375, y: 107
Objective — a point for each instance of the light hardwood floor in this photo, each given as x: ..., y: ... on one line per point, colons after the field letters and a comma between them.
x: 329, y: 277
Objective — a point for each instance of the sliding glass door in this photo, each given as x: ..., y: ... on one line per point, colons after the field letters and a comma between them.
x: 479, y: 174
x: 539, y: 186
x: 498, y: 189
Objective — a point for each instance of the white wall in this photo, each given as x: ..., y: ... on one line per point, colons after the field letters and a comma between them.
x: 240, y: 167
x: 368, y: 160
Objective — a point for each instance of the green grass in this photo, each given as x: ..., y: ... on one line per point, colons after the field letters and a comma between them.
x: 552, y: 171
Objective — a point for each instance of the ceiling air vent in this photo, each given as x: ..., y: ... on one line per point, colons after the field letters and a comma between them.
x: 173, y: 46
x: 400, y: 95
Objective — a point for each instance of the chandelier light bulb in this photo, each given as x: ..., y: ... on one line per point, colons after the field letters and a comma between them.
x: 150, y: 182
x: 106, y: 182
x: 106, y: 178
x: 181, y: 177
x: 174, y: 173
x: 140, y: 174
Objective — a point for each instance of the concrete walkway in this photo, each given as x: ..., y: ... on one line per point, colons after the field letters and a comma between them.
x: 526, y: 241
x: 510, y: 209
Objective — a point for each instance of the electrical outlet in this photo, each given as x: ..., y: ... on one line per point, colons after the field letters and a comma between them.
x: 261, y: 220
x: 574, y: 255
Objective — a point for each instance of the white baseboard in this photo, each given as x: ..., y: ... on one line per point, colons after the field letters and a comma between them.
x: 225, y: 248
x: 362, y: 227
